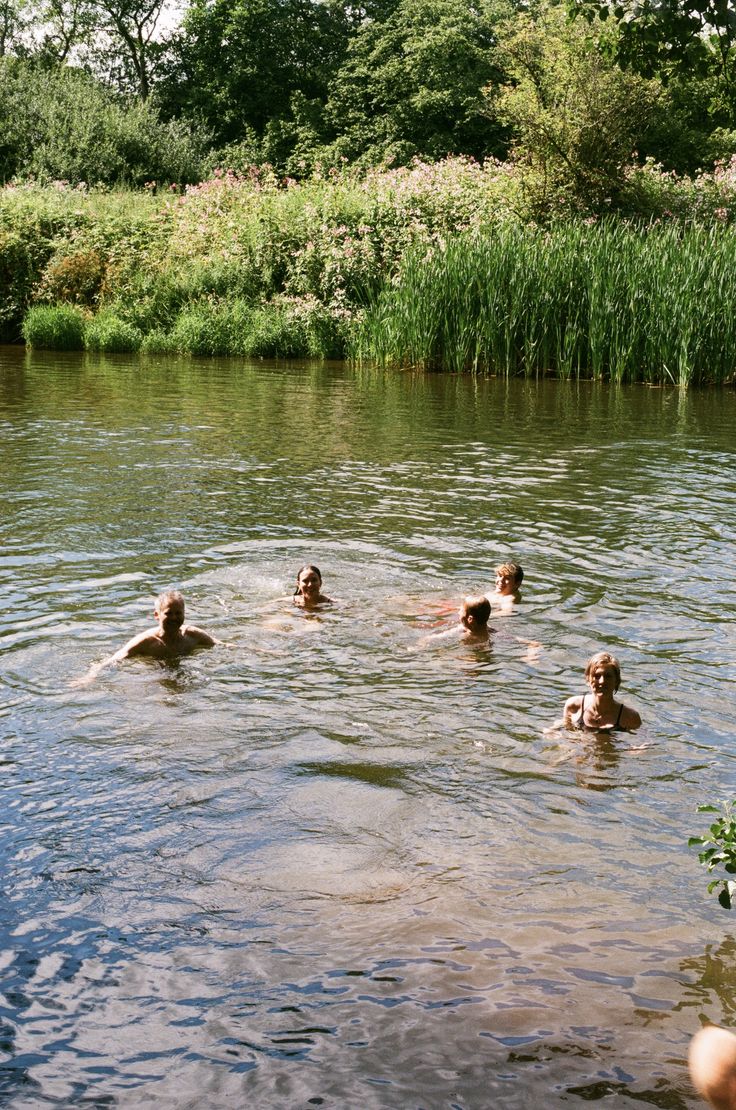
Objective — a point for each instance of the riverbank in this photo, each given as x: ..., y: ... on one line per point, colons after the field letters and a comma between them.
x: 434, y: 266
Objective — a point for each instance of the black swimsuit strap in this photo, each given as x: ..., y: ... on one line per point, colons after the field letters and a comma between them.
x: 620, y: 711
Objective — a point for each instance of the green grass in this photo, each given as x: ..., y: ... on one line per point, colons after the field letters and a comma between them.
x: 108, y: 333
x: 54, y: 327
x: 603, y: 301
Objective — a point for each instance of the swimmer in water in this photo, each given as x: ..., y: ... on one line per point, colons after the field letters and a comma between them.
x: 599, y: 711
x: 472, y: 627
x: 712, y: 1060
x: 170, y: 639
x: 509, y: 577
x: 474, y: 613
x: 308, y: 593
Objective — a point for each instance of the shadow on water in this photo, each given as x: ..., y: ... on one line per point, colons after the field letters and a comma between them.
x: 393, y: 778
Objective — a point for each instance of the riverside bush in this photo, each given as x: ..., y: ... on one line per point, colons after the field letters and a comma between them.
x: 22, y: 257
x: 54, y: 327
x: 75, y: 277
x: 204, y: 330
x: 424, y: 265
x: 718, y: 850
x: 158, y: 342
x: 62, y: 124
x: 107, y: 332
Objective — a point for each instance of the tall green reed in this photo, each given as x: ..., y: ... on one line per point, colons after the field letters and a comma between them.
x: 607, y: 300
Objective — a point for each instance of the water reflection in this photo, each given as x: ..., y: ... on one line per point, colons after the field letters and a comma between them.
x: 320, y: 864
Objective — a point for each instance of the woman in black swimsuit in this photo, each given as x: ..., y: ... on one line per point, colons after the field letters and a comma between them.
x: 599, y: 711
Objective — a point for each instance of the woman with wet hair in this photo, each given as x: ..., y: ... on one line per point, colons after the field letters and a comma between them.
x: 598, y: 710
x: 308, y: 593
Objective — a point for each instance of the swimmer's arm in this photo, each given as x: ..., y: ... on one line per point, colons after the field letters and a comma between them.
x: 533, y: 649
x: 572, y: 706
x: 139, y: 645
x: 437, y: 638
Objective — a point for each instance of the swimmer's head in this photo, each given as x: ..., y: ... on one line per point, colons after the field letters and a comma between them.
x: 308, y: 580
x: 509, y: 577
x: 712, y: 1060
x: 598, y: 664
x: 474, y: 612
x: 169, y: 609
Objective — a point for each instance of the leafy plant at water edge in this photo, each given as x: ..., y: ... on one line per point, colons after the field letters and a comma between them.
x: 108, y: 333
x: 54, y: 327
x: 605, y: 300
x: 719, y: 850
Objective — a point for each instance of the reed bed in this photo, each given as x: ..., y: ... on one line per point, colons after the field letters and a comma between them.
x: 578, y: 300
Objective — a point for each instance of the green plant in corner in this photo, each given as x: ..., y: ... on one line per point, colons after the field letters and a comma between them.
x: 719, y: 850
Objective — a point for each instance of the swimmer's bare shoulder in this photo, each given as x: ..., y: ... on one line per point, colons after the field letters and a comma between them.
x: 573, y: 705
x: 152, y: 643
x: 145, y: 643
x: 630, y: 719
x: 198, y: 637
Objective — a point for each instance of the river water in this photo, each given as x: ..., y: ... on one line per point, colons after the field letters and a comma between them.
x: 335, y: 864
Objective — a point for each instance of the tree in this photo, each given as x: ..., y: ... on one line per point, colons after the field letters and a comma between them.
x: 131, y: 49
x: 15, y: 19
x: 412, y: 83
x: 576, y: 116
x: 238, y: 63
x: 60, y: 27
x: 660, y: 36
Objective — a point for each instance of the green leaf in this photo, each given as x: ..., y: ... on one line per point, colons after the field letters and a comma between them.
x: 694, y: 841
x: 725, y: 898
x: 708, y: 809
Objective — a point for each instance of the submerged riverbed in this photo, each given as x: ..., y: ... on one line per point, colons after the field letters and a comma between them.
x: 325, y: 865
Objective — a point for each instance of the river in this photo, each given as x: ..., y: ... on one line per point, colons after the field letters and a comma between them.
x: 331, y: 862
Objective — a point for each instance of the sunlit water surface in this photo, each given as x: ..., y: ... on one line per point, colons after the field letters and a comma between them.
x: 327, y: 865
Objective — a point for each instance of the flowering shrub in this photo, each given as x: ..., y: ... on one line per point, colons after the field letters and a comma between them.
x: 709, y: 197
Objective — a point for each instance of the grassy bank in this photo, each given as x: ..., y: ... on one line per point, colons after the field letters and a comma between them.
x: 432, y: 266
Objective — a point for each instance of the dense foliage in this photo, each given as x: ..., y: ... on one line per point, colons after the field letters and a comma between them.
x: 428, y: 266
x: 61, y: 124
x: 124, y: 92
x: 317, y: 178
x: 718, y: 851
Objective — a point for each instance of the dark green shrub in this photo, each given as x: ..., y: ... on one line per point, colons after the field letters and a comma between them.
x: 107, y: 332
x: 23, y: 253
x: 273, y: 334
x: 203, y: 330
x: 158, y: 342
x: 54, y: 327
x: 60, y: 124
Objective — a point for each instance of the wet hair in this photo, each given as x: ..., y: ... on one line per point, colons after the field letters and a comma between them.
x: 169, y: 595
x: 513, y: 570
x: 603, y: 659
x: 301, y: 571
x: 479, y: 608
